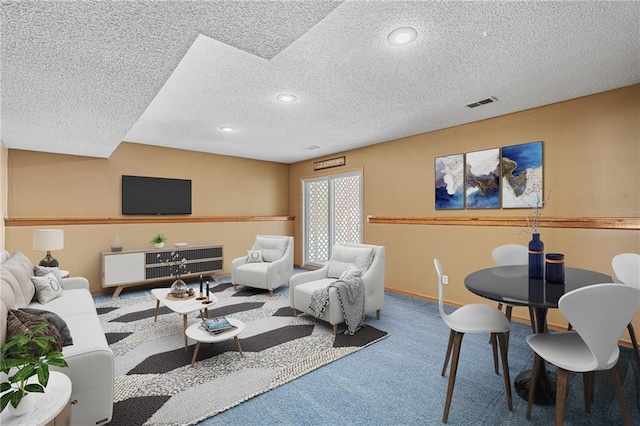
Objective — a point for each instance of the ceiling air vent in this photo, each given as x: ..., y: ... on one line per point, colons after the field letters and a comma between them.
x: 311, y: 147
x: 482, y: 102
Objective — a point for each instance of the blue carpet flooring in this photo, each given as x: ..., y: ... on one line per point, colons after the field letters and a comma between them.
x: 397, y: 381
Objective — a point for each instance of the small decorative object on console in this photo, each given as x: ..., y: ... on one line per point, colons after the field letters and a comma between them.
x: 116, y: 244
x: 158, y: 240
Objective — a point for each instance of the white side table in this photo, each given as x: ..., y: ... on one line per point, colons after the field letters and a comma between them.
x: 200, y: 335
x: 51, y: 408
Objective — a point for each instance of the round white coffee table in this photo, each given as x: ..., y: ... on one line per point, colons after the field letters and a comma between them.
x: 195, y: 332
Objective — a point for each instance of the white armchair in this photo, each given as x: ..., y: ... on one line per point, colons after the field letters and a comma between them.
x: 271, y: 267
x: 369, y: 258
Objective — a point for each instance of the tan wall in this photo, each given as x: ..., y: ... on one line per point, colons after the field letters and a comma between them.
x: 591, y: 157
x: 4, y: 153
x: 591, y: 148
x: 43, y: 185
x: 52, y: 185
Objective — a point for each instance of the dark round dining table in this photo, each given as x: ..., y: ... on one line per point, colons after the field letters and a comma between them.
x: 511, y: 284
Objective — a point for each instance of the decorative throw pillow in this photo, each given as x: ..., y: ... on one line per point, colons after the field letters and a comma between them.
x: 21, y: 268
x: 55, y: 320
x: 47, y: 288
x: 272, y: 248
x: 254, y: 256
x: 19, y: 322
x: 343, y: 256
x: 351, y: 272
x: 41, y: 271
x: 337, y: 268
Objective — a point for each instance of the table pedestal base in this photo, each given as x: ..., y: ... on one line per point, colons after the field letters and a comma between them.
x: 545, y: 388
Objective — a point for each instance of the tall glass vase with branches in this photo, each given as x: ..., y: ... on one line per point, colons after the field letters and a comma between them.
x: 536, y: 246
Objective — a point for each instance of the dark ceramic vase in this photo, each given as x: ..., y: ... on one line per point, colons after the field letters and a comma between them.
x: 554, y: 268
x: 536, y: 257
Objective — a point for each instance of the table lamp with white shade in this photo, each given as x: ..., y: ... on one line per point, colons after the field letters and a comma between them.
x: 48, y: 240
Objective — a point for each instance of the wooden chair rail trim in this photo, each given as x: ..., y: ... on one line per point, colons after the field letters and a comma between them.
x: 628, y: 223
x: 143, y: 219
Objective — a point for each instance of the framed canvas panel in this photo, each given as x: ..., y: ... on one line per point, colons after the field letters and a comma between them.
x: 522, y: 182
x: 482, y: 179
x: 449, y: 183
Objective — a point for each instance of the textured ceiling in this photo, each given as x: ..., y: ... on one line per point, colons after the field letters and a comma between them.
x: 80, y: 77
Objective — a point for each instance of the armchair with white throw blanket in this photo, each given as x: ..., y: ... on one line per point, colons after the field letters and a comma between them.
x: 268, y: 264
x: 354, y: 273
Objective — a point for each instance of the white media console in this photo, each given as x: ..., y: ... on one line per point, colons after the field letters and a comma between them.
x: 135, y: 267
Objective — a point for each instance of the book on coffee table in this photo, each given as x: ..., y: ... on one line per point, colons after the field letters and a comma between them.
x: 217, y: 325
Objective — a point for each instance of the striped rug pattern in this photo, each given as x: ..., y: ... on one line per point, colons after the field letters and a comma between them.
x: 155, y: 384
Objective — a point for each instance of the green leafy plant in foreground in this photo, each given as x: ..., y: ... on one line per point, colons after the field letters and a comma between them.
x: 25, y: 356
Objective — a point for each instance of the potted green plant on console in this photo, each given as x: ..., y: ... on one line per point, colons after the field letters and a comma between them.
x: 158, y: 240
x: 25, y: 356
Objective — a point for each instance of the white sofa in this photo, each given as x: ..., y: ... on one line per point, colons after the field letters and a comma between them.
x: 368, y: 258
x: 90, y: 360
x: 273, y: 269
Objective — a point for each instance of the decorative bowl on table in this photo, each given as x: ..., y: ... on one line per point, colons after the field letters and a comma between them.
x: 180, y: 289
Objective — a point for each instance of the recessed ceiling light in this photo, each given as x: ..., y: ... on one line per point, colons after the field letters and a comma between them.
x: 401, y: 36
x: 286, y: 97
x: 227, y: 129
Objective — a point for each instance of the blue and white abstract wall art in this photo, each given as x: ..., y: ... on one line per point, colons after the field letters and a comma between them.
x: 483, y: 179
x: 449, y: 183
x: 522, y: 179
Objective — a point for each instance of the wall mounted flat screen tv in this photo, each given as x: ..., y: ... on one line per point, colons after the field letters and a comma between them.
x: 155, y: 196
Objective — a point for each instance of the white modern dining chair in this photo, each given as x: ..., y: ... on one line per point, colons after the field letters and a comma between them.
x: 599, y: 314
x: 513, y: 254
x: 474, y: 318
x: 507, y: 255
x: 626, y: 266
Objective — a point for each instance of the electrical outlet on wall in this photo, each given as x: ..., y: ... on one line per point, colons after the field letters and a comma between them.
x: 445, y: 279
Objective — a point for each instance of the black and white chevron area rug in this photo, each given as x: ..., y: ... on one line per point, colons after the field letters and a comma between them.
x: 155, y: 384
